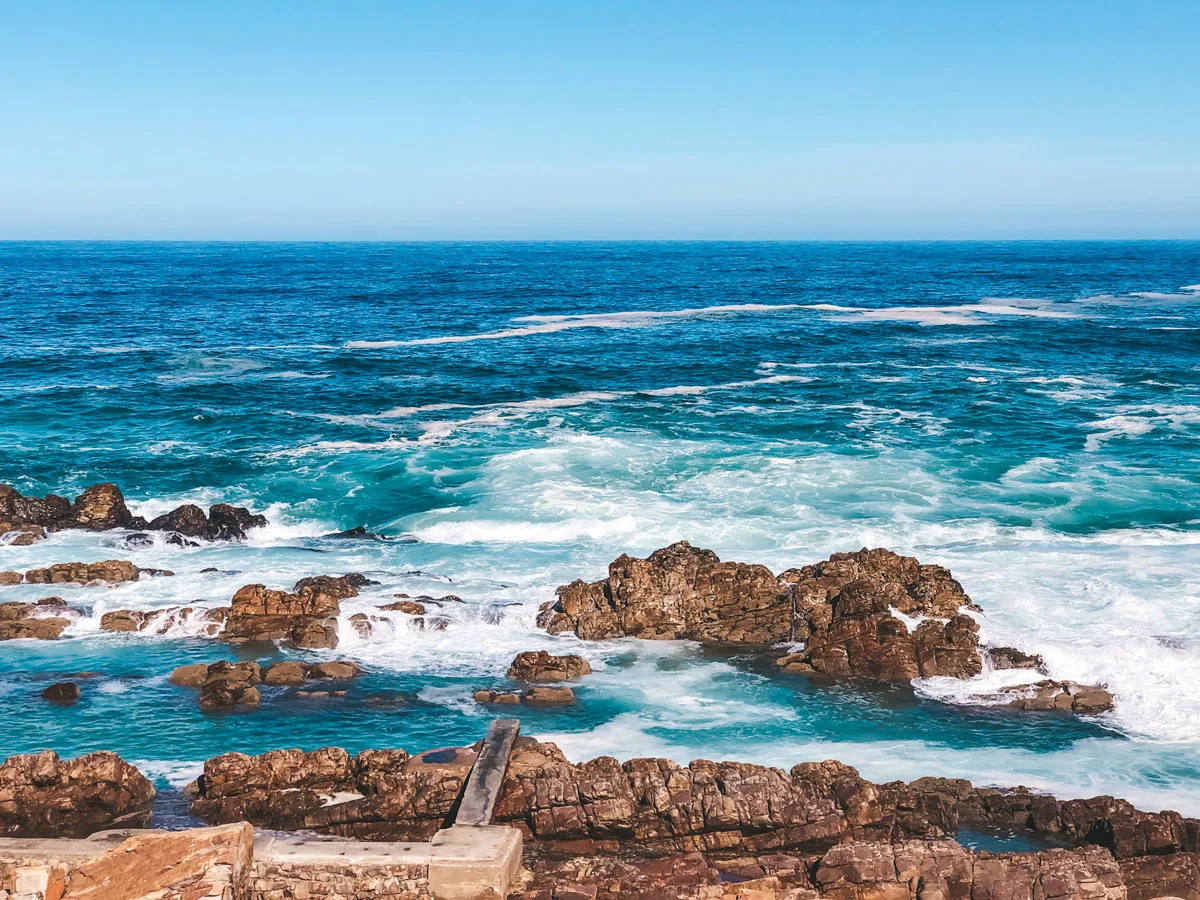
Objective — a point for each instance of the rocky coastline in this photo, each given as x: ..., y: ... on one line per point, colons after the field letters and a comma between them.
x: 654, y: 828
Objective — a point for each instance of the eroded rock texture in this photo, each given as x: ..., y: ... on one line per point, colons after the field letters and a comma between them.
x: 44, y: 796
x: 305, y: 617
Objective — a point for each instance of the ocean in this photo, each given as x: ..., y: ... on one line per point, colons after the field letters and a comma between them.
x: 517, y: 415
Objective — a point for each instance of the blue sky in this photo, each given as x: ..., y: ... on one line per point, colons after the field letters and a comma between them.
x: 446, y: 120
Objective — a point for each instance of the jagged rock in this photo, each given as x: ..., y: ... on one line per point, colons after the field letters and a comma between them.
x: 196, y: 864
x: 51, y: 511
x: 64, y: 692
x: 1012, y: 658
x: 42, y: 629
x: 364, y: 625
x: 538, y: 666
x: 227, y: 685
x: 110, y: 571
x: 378, y: 794
x: 846, y: 610
x: 678, y: 592
x: 306, y: 618
x: 358, y: 533
x: 43, y: 796
x: 188, y: 520
x: 100, y: 508
x: 230, y: 523
x: 1062, y: 695
x: 15, y: 535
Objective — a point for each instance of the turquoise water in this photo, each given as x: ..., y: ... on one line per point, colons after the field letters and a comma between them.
x: 1027, y: 414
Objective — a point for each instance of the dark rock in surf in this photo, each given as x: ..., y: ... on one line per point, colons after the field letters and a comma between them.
x: 540, y: 667
x: 64, y: 693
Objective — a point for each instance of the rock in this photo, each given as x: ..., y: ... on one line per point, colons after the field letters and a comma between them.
x: 100, y: 508
x: 64, y: 692
x: 190, y: 676
x: 795, y: 664
x: 51, y: 512
x: 503, y: 698
x: 14, y: 535
x: 678, y: 592
x: 43, y: 796
x: 10, y: 578
x: 187, y: 520
x: 846, y: 610
x: 110, y: 571
x: 1067, y: 696
x: 538, y: 666
x: 549, y: 696
x: 196, y: 864
x: 358, y: 533
x: 410, y: 607
x: 288, y: 673
x: 227, y: 685
x: 1011, y: 658
x: 230, y: 523
x: 123, y: 620
x: 12, y: 610
x: 334, y: 671
x: 306, y: 618
x: 33, y: 628
x: 364, y: 625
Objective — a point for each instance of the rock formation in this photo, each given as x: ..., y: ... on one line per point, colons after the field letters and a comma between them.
x: 21, y: 620
x: 14, y: 535
x: 306, y: 617
x: 160, y: 621
x: 102, y: 507
x: 63, y: 693
x: 539, y: 667
x: 538, y: 696
x: 1061, y: 695
x: 871, y: 614
x: 110, y: 571
x: 43, y: 796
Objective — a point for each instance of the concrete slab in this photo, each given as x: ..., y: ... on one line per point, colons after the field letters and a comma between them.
x: 474, y: 862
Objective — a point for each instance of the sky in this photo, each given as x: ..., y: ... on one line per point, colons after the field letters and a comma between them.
x: 446, y: 120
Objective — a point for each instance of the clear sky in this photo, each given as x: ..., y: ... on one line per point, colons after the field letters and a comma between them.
x: 344, y: 119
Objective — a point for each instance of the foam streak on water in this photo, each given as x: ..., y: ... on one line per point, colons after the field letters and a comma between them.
x: 776, y: 403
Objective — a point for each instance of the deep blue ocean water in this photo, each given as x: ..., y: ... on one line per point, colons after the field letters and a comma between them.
x: 1027, y: 414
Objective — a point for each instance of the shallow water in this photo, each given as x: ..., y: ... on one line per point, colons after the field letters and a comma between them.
x: 1027, y: 414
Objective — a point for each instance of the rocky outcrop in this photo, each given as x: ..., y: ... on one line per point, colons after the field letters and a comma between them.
x: 197, y: 864
x: 110, y: 571
x: 539, y: 667
x: 276, y: 674
x: 102, y: 507
x: 14, y: 535
x: 853, y: 612
x: 228, y: 685
x: 377, y: 795
x: 44, y: 796
x: 305, y: 617
x: 17, y: 621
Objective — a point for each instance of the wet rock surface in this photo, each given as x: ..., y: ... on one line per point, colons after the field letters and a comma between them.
x: 44, y: 796
x: 109, y: 571
x: 538, y: 696
x: 1068, y: 696
x: 540, y: 667
x: 304, y: 617
x: 160, y: 621
x: 102, y: 507
x: 64, y: 693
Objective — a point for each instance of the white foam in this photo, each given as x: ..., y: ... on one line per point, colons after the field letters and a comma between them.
x: 961, y: 314
x: 556, y: 323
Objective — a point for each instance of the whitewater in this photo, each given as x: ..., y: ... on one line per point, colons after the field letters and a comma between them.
x: 514, y: 417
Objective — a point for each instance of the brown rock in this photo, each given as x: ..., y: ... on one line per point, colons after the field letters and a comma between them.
x: 227, y: 685
x: 334, y: 671
x: 110, y: 571
x: 10, y: 578
x: 230, y: 523
x: 1011, y: 658
x: 503, y: 698
x: 190, y: 675
x: 1067, y: 696
x: 15, y: 535
x: 38, y: 629
x: 12, y: 610
x: 538, y: 666
x: 195, y: 864
x: 411, y: 607
x: 100, y: 508
x: 549, y: 696
x: 187, y: 520
x: 64, y: 692
x: 306, y: 618
x: 289, y: 673
x: 123, y: 620
x: 43, y: 796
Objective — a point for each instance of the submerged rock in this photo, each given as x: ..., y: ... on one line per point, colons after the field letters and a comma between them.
x: 44, y: 796
x: 64, y: 692
x: 16, y: 535
x: 160, y: 621
x: 538, y: 696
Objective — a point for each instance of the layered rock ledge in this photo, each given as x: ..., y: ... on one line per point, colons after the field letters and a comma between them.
x: 44, y: 796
